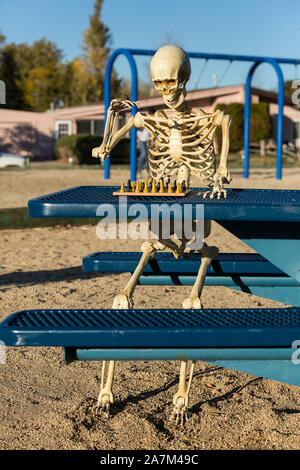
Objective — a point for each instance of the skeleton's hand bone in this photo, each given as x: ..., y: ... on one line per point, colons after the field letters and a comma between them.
x: 221, y: 176
x: 99, y: 152
x: 118, y: 105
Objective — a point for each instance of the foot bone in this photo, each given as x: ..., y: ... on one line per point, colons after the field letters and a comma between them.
x: 122, y: 301
x: 180, y: 413
x: 105, y: 399
x: 192, y: 302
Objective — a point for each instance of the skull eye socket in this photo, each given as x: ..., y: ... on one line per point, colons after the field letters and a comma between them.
x: 167, y: 83
x: 171, y: 83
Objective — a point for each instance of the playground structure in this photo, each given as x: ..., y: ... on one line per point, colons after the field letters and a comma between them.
x: 257, y: 60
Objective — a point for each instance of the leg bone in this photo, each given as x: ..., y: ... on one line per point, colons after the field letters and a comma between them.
x: 106, y: 398
x: 124, y: 300
x: 181, y: 398
x: 208, y: 254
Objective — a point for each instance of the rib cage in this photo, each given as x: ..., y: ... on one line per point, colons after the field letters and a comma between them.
x: 186, y: 139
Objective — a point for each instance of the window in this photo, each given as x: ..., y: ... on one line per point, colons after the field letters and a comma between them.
x: 296, y: 129
x: 88, y: 126
x: 63, y: 128
x: 83, y: 127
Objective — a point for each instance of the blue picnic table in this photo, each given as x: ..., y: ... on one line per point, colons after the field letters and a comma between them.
x: 259, y: 341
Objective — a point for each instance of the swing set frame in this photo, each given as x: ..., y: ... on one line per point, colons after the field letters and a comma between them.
x: 257, y: 61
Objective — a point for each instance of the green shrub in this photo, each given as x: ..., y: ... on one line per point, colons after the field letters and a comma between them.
x: 260, y: 124
x: 79, y: 147
x: 121, y: 152
x: 236, y: 112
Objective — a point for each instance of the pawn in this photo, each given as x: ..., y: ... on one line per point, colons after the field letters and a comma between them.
x: 161, y: 186
x: 129, y: 186
x: 174, y: 186
x: 122, y: 189
x: 170, y: 188
x: 183, y: 186
x: 146, y: 185
x: 153, y: 189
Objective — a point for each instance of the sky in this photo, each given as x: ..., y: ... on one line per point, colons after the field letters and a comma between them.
x: 245, y: 27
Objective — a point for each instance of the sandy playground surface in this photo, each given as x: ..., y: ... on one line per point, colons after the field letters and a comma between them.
x: 45, y: 404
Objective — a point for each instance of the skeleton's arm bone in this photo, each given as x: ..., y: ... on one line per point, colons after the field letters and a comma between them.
x: 99, y: 152
x: 225, y: 124
x: 121, y: 133
x: 107, y: 145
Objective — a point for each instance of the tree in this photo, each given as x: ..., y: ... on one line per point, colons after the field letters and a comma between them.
x: 288, y: 90
x: 77, y: 82
x: 10, y: 74
x: 33, y: 74
x: 42, y: 73
x: 42, y: 87
x: 96, y: 40
x: 145, y: 89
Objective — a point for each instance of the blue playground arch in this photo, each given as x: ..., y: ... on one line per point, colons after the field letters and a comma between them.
x: 274, y: 62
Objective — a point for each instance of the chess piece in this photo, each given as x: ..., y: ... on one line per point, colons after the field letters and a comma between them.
x: 153, y: 189
x: 146, y: 185
x: 161, y: 186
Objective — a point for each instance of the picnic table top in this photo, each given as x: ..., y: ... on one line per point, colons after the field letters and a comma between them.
x: 240, y: 204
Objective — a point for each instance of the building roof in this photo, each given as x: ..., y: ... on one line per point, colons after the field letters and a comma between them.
x: 192, y: 95
x: 96, y: 111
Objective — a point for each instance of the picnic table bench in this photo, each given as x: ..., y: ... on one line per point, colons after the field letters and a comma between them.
x: 258, y: 341
x: 246, y: 272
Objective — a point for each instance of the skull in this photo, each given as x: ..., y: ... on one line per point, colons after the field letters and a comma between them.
x: 170, y: 70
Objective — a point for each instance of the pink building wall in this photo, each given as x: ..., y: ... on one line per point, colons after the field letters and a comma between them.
x: 26, y: 133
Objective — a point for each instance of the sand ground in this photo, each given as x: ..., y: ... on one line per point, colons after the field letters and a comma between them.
x: 45, y: 404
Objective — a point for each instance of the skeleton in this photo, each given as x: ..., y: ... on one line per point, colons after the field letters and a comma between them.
x: 180, y: 145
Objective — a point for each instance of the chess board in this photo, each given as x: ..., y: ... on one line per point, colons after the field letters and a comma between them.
x: 156, y: 194
x: 135, y: 189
